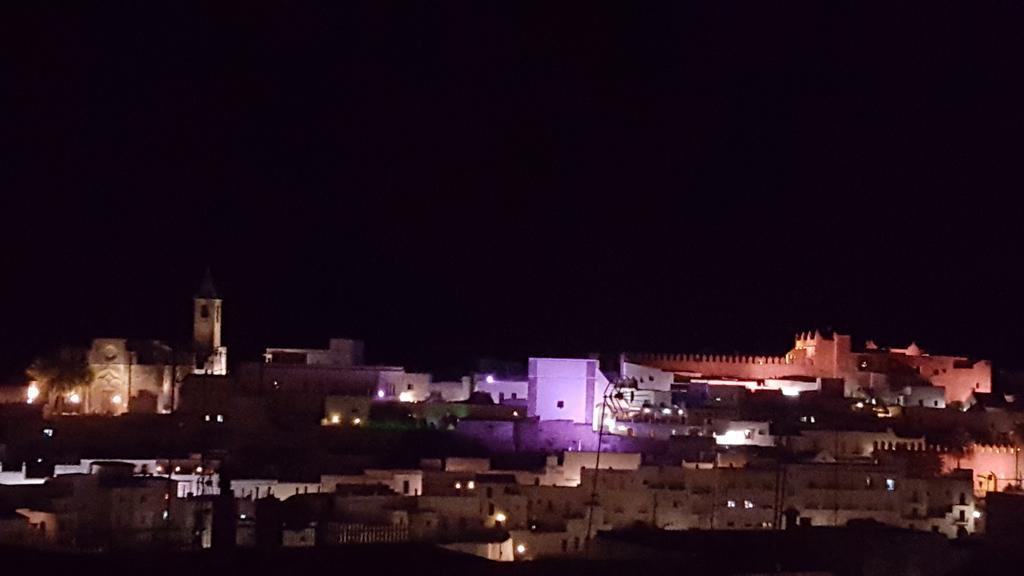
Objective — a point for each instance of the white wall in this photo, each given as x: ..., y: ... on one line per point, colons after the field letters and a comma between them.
x: 742, y: 433
x: 503, y: 390
x: 648, y: 378
x: 564, y: 389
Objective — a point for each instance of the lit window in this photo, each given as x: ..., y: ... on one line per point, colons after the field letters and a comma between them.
x: 748, y: 504
x: 561, y: 404
x: 220, y: 417
x: 48, y: 432
x: 730, y: 503
x: 471, y: 485
x: 890, y: 484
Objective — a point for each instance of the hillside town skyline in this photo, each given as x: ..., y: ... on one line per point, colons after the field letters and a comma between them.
x: 530, y: 288
x: 536, y: 460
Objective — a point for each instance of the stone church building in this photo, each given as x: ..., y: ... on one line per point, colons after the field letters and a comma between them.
x: 144, y: 376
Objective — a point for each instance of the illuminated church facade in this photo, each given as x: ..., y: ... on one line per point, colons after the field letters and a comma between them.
x: 144, y: 376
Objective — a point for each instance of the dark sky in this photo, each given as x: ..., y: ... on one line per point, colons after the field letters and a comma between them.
x: 460, y: 179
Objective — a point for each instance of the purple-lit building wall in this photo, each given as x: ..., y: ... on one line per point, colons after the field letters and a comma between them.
x: 557, y: 436
x: 563, y: 389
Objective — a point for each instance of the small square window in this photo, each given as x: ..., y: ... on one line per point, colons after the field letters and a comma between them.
x: 561, y: 404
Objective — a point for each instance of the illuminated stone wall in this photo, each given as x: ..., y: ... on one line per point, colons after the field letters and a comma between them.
x: 817, y: 356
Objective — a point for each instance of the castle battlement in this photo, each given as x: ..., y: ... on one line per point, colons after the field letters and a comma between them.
x: 711, y: 358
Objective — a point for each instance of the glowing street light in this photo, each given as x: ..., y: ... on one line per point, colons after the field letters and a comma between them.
x: 75, y: 398
x: 490, y: 379
x: 380, y: 393
x: 520, y: 549
x: 500, y: 517
x: 116, y: 399
x: 32, y: 393
x: 357, y: 421
x: 335, y: 419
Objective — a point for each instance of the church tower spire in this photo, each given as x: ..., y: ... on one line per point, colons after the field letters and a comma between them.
x: 211, y: 356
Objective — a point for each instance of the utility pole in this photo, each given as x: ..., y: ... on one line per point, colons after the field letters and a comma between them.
x: 597, y: 466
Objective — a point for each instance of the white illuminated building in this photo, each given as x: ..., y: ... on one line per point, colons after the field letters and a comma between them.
x: 17, y: 477
x: 742, y: 433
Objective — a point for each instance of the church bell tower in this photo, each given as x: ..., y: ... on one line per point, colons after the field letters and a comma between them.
x: 211, y: 356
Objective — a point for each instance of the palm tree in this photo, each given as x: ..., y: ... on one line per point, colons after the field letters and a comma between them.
x: 61, y: 372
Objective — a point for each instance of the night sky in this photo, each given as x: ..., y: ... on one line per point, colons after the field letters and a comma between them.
x: 454, y: 180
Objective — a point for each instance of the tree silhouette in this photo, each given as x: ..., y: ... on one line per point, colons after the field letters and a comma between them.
x: 61, y: 371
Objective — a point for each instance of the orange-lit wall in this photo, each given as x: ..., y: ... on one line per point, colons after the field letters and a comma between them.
x: 995, y: 467
x: 819, y: 357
